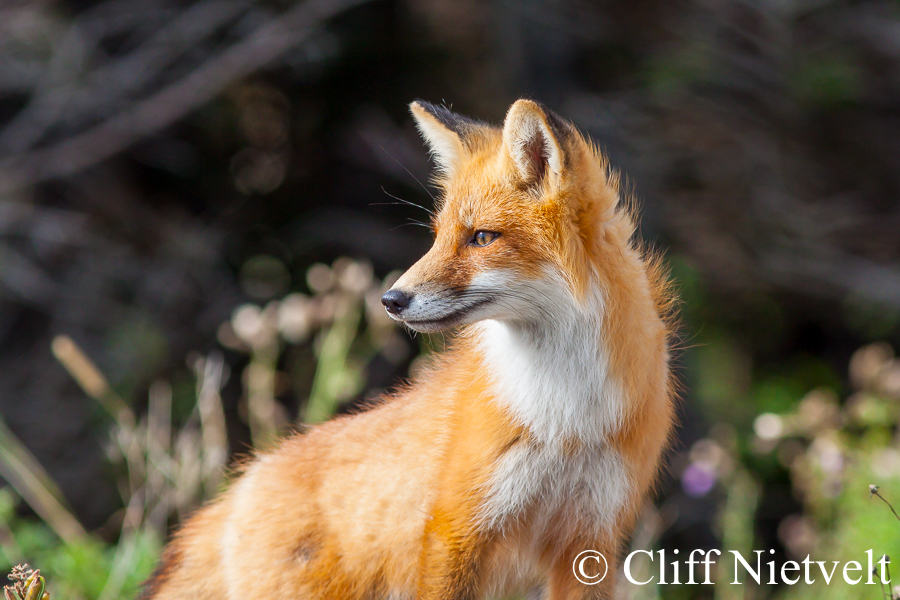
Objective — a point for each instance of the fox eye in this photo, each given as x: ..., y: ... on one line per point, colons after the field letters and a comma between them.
x: 483, y: 238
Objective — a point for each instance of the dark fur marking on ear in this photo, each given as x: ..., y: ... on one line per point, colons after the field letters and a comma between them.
x: 560, y: 128
x: 460, y: 125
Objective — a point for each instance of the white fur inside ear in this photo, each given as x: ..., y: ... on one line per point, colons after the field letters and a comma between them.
x: 446, y: 148
x: 532, y: 145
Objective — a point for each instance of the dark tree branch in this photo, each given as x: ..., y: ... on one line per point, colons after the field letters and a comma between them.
x: 163, y: 108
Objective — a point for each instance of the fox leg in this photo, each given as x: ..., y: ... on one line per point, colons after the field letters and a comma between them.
x: 575, y: 566
x: 452, y: 555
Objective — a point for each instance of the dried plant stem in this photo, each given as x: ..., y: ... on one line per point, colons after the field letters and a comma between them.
x: 26, y: 475
x: 123, y: 559
x: 737, y: 528
x: 885, y: 583
x: 212, y: 419
x: 91, y: 380
x: 264, y: 416
x: 874, y: 492
x: 158, y: 449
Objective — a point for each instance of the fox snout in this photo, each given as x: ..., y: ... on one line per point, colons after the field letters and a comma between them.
x: 428, y: 307
x: 499, y: 295
x: 395, y: 301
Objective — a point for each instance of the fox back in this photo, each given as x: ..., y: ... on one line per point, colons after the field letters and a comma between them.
x: 536, y: 436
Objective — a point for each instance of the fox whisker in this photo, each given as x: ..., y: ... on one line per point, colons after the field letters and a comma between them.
x: 408, y: 171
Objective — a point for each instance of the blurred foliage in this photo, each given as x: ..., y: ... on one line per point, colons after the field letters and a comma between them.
x: 832, y: 453
x: 344, y: 325
x: 166, y: 468
x: 80, y: 571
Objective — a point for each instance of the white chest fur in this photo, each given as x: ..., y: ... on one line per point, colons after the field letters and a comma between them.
x: 555, y: 383
x: 586, y: 489
x: 553, y: 378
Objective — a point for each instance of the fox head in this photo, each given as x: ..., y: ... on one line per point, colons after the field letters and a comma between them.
x: 526, y: 213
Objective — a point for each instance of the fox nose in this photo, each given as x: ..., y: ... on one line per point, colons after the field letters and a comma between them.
x: 395, y: 301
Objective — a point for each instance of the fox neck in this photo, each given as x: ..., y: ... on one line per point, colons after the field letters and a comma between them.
x: 553, y: 375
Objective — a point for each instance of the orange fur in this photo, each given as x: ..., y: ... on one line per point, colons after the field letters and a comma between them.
x: 396, y: 502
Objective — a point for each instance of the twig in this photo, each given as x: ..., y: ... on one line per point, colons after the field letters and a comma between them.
x: 873, y: 491
x: 160, y: 110
x: 109, y: 83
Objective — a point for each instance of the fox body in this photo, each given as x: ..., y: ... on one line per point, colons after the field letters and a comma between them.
x: 536, y: 436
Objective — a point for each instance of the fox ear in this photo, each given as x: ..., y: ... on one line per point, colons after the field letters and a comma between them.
x: 535, y: 138
x: 445, y: 133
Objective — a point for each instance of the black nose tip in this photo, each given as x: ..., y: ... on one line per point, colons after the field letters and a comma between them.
x: 395, y: 301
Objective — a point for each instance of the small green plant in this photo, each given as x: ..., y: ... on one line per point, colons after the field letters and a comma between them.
x: 342, y: 323
x: 28, y: 584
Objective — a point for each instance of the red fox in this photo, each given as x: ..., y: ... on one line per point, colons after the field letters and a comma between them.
x: 537, y: 436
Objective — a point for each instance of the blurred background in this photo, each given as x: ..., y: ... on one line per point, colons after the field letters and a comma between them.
x: 201, y: 203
